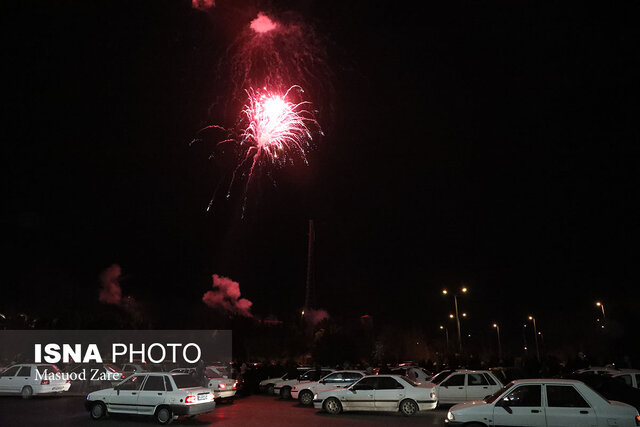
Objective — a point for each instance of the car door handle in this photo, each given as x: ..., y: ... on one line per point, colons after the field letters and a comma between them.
x: 460, y: 388
x: 133, y: 392
x: 584, y: 412
x: 159, y: 394
x: 535, y: 411
x: 485, y: 387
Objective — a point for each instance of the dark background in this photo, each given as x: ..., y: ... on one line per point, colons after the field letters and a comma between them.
x: 479, y: 143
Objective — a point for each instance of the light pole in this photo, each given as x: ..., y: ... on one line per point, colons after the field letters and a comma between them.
x: 604, y: 319
x: 535, y: 335
x: 495, y: 325
x: 455, y: 301
x: 446, y: 332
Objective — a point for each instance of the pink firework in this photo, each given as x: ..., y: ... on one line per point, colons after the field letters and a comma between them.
x: 273, y: 130
x: 277, y: 128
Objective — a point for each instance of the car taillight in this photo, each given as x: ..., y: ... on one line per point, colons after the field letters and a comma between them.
x: 68, y: 381
x: 221, y: 385
x: 190, y: 399
x: 44, y: 382
x: 235, y: 385
x: 638, y: 420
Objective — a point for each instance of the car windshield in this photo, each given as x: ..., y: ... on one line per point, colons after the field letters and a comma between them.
x: 210, y: 373
x: 185, y: 381
x: 492, y: 398
x: 439, y: 377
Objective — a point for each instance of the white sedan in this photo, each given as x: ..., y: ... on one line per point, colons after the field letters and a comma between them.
x: 283, y: 389
x: 304, y: 392
x: 544, y: 402
x: 379, y: 393
x: 162, y: 395
x: 463, y: 385
x: 28, y: 379
x: 222, y: 388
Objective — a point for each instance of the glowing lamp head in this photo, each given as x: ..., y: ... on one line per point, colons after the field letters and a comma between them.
x: 464, y: 290
x: 451, y: 316
x: 530, y: 317
x: 598, y: 304
x: 444, y: 292
x: 495, y: 325
x: 441, y: 327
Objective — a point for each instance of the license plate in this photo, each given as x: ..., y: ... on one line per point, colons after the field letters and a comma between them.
x: 203, y: 397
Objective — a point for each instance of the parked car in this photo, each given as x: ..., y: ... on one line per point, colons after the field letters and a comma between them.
x: 222, y: 388
x: 284, y: 388
x: 28, y: 379
x: 462, y: 385
x: 87, y: 376
x: 304, y: 392
x: 135, y: 367
x: 268, y: 385
x: 417, y: 373
x: 162, y: 395
x: 630, y: 377
x: 544, y: 402
x: 379, y: 393
x: 610, y: 388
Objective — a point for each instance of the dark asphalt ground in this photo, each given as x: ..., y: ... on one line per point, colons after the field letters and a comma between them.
x: 263, y: 411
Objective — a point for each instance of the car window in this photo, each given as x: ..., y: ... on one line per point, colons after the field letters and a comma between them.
x: 564, y: 396
x: 437, y: 379
x: 454, y: 380
x: 490, y: 379
x: 526, y: 395
x: 185, y: 381
x: 47, y: 369
x: 11, y: 372
x: 133, y: 383
x: 25, y: 371
x: 477, y: 379
x: 626, y: 378
x: 167, y: 383
x: 638, y: 379
x: 154, y: 383
x: 410, y: 381
x: 388, y: 383
x: 368, y: 383
x: 333, y: 378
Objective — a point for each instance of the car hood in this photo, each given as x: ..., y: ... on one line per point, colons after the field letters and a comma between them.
x: 470, y: 404
x: 102, y: 393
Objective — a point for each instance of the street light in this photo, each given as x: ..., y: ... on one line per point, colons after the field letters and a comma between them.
x: 601, y: 305
x: 535, y: 335
x: 495, y: 325
x: 446, y: 331
x: 464, y: 290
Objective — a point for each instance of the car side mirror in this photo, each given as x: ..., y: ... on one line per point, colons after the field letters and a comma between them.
x: 352, y: 390
x: 322, y: 382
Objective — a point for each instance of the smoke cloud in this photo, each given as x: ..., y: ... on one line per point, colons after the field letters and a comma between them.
x: 203, y: 4
x: 110, y: 292
x: 316, y: 316
x: 226, y: 296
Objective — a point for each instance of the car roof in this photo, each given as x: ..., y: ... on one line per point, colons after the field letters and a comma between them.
x: 471, y: 371
x: 547, y: 381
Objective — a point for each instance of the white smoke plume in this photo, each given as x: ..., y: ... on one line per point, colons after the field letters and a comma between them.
x: 110, y: 292
x: 226, y: 296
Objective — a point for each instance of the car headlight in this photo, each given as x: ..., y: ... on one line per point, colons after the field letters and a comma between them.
x: 88, y: 397
x: 315, y: 396
x: 450, y: 416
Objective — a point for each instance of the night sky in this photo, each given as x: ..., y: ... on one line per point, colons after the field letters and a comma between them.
x: 494, y: 145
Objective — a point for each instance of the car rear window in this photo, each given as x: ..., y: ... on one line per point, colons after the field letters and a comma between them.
x: 185, y: 381
x: 47, y: 369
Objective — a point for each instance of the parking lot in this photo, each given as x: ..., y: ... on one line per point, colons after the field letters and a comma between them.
x: 256, y: 410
